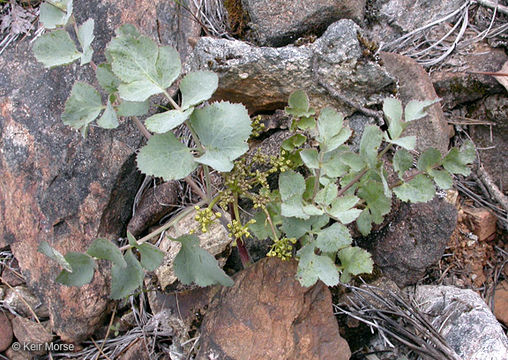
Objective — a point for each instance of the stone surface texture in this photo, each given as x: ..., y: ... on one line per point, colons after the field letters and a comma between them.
x: 414, y: 84
x: 415, y: 239
x: 31, y: 333
x: 465, y: 322
x: 22, y: 301
x: 501, y: 302
x: 262, y: 78
x: 5, y: 332
x: 216, y: 241
x: 57, y: 186
x: 492, y: 139
x: 388, y: 19
x: 268, y: 315
x: 460, y: 86
x: 280, y: 22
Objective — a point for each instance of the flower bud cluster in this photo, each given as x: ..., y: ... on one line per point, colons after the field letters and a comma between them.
x: 205, y: 217
x: 282, y: 248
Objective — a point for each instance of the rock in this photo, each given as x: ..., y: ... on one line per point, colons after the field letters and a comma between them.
x: 18, y: 354
x: 414, y: 84
x: 5, y: 332
x: 483, y: 222
x: 18, y: 298
x: 414, y: 240
x: 33, y: 336
x: 280, y: 22
x: 388, y: 19
x: 461, y: 86
x: 56, y: 186
x: 267, y: 314
x: 216, y: 241
x: 11, y: 274
x: 501, y: 302
x: 464, y: 320
x: 137, y: 351
x: 491, y: 140
x: 262, y: 78
x: 156, y: 202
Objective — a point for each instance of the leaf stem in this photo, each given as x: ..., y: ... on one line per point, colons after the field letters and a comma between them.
x: 171, y: 101
x: 166, y: 226
x: 242, y: 250
x: 269, y: 218
x: 141, y: 127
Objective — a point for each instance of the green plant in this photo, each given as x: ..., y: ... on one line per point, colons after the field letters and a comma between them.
x: 321, y: 188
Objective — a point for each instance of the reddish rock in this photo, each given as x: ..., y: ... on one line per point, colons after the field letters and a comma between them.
x: 415, y: 239
x: 415, y: 84
x: 501, y: 302
x: 267, y: 314
x: 57, y: 186
x: 483, y: 222
x: 32, y: 335
x: 5, y: 332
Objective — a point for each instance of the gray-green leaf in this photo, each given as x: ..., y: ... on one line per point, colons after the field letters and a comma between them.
x: 151, y: 256
x: 419, y: 189
x: 144, y: 68
x: 342, y: 209
x: 132, y: 108
x: 168, y: 120
x: 193, y: 264
x: 55, y: 48
x: 456, y: 161
x: 197, y: 87
x: 442, y: 178
x: 106, y: 79
x: 82, y: 107
x: 106, y: 250
x: 415, y: 109
x: 333, y: 238
x: 124, y: 281
x: 369, y: 144
x: 85, y: 38
x: 402, y: 161
x: 108, y: 120
x: 312, y: 268
x: 46, y: 249
x: 223, y: 129
x: 355, y: 261
x: 55, y: 13
x: 83, y: 267
x: 310, y: 158
x: 392, y: 109
x: 428, y: 159
x: 164, y: 156
x: 298, y: 105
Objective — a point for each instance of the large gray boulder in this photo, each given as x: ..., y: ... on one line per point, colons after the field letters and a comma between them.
x: 464, y: 320
x: 262, y: 78
x: 280, y: 22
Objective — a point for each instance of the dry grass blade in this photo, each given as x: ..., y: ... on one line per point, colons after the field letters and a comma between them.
x: 396, y: 320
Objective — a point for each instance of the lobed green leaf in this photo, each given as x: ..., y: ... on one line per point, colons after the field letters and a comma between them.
x: 168, y: 120
x: 415, y: 109
x: 55, y: 48
x: 442, y: 178
x: 419, y: 189
x: 429, y: 159
x: 223, y: 129
x: 456, y: 161
x: 197, y: 87
x: 106, y: 250
x: 392, y: 109
x: 164, y: 156
x: 46, y: 249
x: 402, y: 161
x: 193, y: 264
x: 151, y: 256
x: 312, y: 267
x: 55, y: 13
x: 298, y: 105
x: 107, y: 79
x: 83, y: 267
x: 85, y: 38
x: 125, y: 280
x: 108, y: 120
x: 369, y: 144
x: 310, y: 158
x: 342, y: 208
x: 354, y: 261
x: 333, y: 238
x: 82, y: 107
